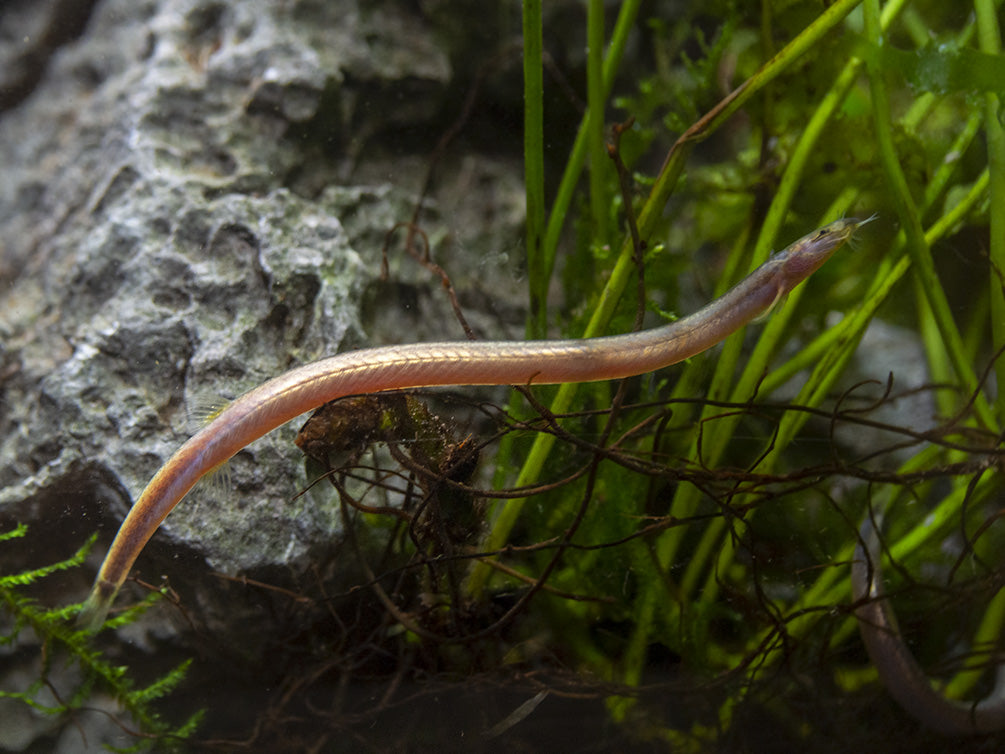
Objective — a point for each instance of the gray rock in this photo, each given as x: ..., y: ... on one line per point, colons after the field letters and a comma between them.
x: 174, y: 233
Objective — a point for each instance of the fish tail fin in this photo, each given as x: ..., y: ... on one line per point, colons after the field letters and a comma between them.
x: 93, y: 614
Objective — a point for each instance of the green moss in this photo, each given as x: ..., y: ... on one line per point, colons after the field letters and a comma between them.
x: 61, y: 643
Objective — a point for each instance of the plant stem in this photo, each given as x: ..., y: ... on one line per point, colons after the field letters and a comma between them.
x: 533, y: 155
x: 910, y: 219
x: 989, y: 40
x: 596, y: 96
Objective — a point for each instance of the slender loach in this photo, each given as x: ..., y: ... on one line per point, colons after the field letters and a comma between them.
x: 898, y: 670
x: 435, y: 364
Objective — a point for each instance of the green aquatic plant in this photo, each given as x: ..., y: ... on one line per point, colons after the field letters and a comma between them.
x: 843, y: 118
x: 59, y: 643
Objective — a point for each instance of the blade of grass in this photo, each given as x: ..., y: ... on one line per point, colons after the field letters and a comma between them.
x: 596, y: 99
x: 533, y: 148
x: 540, y: 279
x: 989, y: 40
x: 574, y: 167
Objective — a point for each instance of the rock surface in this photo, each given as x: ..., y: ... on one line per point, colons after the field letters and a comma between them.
x: 194, y: 199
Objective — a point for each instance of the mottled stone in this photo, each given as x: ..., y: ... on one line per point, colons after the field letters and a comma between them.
x: 191, y: 205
